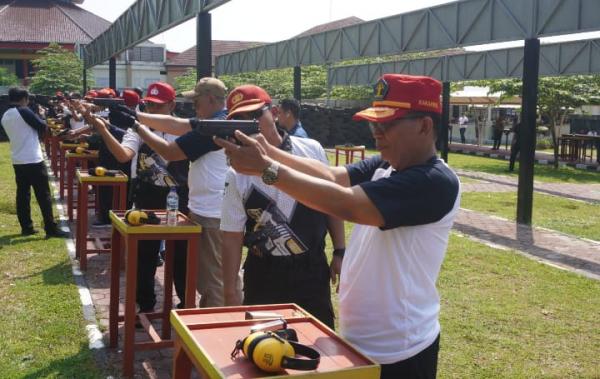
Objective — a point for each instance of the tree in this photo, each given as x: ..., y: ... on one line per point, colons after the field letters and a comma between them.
x: 557, y: 97
x: 57, y: 69
x: 7, y: 78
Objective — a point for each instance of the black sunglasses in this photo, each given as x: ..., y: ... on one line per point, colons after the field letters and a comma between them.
x: 254, y: 115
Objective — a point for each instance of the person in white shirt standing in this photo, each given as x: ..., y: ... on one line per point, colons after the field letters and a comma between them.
x: 462, y: 127
x: 403, y: 203
x: 24, y: 129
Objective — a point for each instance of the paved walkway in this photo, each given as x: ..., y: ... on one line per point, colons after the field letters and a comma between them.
x: 584, y: 192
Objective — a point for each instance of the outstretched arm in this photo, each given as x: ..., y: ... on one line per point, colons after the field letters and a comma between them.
x: 165, y: 123
x: 168, y: 150
x: 347, y: 203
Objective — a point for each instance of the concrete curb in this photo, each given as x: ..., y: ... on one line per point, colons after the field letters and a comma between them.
x: 89, y: 311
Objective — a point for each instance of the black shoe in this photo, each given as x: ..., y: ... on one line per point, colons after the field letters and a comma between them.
x: 56, y: 233
x: 29, y: 232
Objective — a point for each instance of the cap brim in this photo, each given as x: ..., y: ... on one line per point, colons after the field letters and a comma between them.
x: 151, y: 99
x: 189, y: 94
x: 380, y: 114
x: 246, y: 108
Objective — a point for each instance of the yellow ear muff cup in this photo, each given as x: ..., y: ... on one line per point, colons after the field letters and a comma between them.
x: 267, y: 351
x: 135, y: 217
x: 100, y: 171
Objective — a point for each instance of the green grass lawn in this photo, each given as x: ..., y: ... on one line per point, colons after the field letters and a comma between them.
x: 552, y: 212
x: 506, y: 316
x: 542, y: 173
x: 42, y: 330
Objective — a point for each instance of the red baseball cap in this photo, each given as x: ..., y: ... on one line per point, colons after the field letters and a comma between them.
x: 130, y: 97
x: 397, y: 95
x: 160, y: 93
x: 106, y: 93
x: 246, y: 98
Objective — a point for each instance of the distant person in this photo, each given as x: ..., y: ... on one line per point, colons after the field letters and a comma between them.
x: 462, y: 125
x: 289, y: 118
x: 24, y: 128
x: 497, y: 130
x: 515, y: 146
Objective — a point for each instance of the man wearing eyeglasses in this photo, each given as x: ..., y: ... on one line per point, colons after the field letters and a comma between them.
x: 286, y: 260
x: 206, y: 177
x: 403, y: 203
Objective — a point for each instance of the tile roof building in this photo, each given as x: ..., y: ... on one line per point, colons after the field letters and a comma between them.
x: 27, y: 26
x: 186, y: 60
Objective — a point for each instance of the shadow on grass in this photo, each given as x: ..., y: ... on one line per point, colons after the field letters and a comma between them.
x: 55, y: 275
x: 85, y: 364
x: 17, y: 239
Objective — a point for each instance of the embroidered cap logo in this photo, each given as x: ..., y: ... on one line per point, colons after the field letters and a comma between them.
x: 154, y: 91
x: 237, y: 98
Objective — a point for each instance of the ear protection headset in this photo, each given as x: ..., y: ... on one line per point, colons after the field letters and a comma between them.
x: 136, y: 217
x: 274, y: 352
x: 101, y: 171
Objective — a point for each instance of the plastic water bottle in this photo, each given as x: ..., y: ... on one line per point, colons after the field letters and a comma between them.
x: 172, y: 207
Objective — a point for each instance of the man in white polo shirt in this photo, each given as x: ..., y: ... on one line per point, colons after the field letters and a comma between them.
x: 24, y: 129
x: 403, y: 203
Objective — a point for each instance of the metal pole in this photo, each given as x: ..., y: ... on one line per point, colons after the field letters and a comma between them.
x: 84, y: 81
x: 298, y: 83
x: 443, y: 135
x: 527, y: 134
x: 112, y: 73
x: 203, y: 45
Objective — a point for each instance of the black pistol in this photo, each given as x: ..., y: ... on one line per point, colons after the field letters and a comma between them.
x: 224, y: 128
x: 107, y: 102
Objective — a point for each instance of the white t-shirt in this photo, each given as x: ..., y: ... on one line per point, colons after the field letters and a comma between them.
x: 463, y: 121
x: 239, y: 186
x: 389, y: 303
x: 133, y: 141
x: 19, y: 124
x: 206, y: 180
x: 72, y: 122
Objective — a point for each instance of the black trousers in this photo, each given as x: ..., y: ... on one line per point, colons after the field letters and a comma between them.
x: 462, y: 135
x: 150, y: 197
x: 421, y: 366
x: 33, y: 175
x: 515, y: 147
x: 266, y: 282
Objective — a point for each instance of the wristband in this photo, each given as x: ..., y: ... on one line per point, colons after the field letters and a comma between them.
x: 339, y: 252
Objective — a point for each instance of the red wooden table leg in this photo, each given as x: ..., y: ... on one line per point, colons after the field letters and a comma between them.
x: 70, y: 172
x: 168, y: 288
x: 61, y: 173
x: 82, y: 220
x: 131, y: 246
x: 182, y: 365
x: 115, y: 262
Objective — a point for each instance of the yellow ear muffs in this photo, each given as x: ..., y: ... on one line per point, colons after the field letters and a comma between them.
x: 136, y: 217
x: 272, y: 353
x: 101, y: 171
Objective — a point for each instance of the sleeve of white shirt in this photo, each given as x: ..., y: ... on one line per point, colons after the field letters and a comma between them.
x: 233, y: 214
x: 322, y: 155
x: 131, y: 140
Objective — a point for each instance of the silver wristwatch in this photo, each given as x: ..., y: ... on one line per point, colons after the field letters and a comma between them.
x: 271, y: 174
